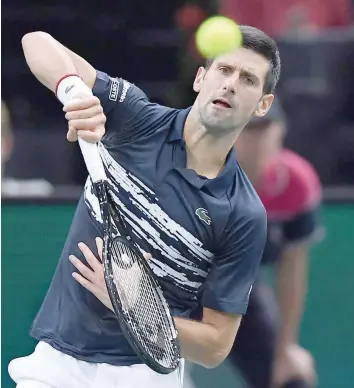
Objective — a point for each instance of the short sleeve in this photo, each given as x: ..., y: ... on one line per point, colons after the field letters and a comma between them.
x: 126, y: 107
x: 236, y: 265
x: 302, y: 227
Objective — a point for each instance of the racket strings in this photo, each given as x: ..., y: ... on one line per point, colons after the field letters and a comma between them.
x: 142, y: 305
x: 143, y: 317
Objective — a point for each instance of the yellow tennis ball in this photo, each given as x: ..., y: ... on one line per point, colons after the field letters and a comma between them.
x: 217, y: 35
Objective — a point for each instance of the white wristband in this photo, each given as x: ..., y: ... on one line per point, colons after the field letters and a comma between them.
x: 70, y: 87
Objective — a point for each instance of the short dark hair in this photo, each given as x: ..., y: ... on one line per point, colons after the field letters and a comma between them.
x: 259, y: 42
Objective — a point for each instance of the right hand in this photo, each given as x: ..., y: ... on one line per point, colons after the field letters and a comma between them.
x: 85, y: 118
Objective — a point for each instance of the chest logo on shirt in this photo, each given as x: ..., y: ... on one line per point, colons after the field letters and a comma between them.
x: 203, y: 215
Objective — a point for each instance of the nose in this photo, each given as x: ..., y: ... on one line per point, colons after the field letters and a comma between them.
x: 230, y: 85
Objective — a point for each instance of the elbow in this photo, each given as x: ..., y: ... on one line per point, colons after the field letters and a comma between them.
x: 32, y: 46
x: 26, y: 39
x: 214, y: 360
x: 31, y: 37
x: 218, y: 353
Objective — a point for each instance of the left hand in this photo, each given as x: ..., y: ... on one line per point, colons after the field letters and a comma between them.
x: 93, y: 278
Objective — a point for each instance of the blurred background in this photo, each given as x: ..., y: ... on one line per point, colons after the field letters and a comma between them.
x: 151, y: 43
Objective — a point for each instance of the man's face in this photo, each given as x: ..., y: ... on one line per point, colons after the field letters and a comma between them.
x: 231, y: 90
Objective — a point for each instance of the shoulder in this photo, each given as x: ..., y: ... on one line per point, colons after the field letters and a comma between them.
x: 131, y: 116
x: 290, y: 185
x: 119, y: 92
x: 246, y: 229
x: 116, y: 90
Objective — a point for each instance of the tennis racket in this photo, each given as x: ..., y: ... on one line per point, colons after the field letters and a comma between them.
x: 137, y: 298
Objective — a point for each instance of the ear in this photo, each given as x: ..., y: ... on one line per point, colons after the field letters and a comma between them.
x: 199, y: 78
x: 264, y: 105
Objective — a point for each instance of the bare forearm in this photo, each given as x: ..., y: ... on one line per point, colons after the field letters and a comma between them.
x: 199, y: 343
x: 49, y: 60
x: 291, y: 285
x: 46, y: 59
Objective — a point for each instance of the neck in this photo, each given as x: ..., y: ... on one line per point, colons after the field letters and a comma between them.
x: 206, y: 152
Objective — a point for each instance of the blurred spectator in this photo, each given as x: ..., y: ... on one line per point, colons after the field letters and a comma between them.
x: 280, y: 17
x: 11, y: 187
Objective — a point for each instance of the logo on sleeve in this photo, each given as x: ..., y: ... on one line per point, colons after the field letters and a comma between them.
x: 113, y: 92
x: 126, y: 86
x: 203, y: 215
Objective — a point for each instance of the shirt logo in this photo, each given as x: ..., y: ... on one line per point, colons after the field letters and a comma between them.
x: 203, y: 215
x: 126, y: 86
x: 113, y: 92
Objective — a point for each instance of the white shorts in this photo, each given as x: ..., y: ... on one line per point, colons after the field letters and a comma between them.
x: 49, y: 368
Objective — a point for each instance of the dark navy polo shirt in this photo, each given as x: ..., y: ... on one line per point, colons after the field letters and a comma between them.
x: 206, y: 236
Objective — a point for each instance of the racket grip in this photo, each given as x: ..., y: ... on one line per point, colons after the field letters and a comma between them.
x: 92, y: 160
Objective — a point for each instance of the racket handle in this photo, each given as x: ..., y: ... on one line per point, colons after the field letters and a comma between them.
x: 92, y: 160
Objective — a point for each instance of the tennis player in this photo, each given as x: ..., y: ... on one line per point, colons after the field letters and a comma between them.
x: 185, y: 198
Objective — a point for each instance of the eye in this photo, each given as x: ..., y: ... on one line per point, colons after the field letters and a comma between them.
x: 224, y: 70
x: 249, y: 80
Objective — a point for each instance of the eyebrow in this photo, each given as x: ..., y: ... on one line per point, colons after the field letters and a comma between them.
x: 249, y: 73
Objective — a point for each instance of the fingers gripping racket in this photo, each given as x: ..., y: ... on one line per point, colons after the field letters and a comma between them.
x: 137, y: 299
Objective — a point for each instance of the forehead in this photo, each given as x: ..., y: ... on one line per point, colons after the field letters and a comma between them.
x: 245, y: 59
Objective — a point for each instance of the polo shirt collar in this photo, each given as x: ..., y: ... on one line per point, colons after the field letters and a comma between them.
x: 217, y: 186
x: 176, y: 132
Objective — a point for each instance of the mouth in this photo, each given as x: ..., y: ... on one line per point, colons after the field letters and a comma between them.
x: 222, y: 103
